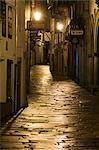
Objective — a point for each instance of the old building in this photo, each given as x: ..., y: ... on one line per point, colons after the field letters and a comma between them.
x: 35, y: 30
x: 76, y: 55
x: 94, y: 44
x: 12, y: 57
x: 84, y: 49
x: 59, y: 20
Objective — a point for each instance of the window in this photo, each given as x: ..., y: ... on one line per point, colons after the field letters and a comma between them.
x: 3, y: 17
x: 9, y: 22
x: 1, y: 3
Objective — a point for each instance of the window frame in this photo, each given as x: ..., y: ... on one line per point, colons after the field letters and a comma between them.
x: 10, y: 22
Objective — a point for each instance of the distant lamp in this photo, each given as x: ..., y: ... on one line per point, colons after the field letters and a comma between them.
x: 68, y: 22
x: 37, y: 15
x: 59, y: 26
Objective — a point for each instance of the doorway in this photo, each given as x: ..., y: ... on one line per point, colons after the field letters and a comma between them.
x: 18, y: 84
x: 9, y: 87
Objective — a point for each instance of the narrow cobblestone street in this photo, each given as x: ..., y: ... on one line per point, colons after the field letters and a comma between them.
x: 60, y: 116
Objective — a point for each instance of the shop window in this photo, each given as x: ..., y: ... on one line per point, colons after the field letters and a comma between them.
x: 9, y: 22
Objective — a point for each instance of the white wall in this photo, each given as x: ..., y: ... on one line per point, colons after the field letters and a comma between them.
x: 6, y: 53
x: 16, y: 49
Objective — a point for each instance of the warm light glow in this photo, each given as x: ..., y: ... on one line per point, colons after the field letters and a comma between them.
x: 59, y: 26
x: 37, y: 15
x: 68, y: 21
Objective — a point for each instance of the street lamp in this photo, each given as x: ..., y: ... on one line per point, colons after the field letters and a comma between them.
x: 37, y: 15
x: 59, y: 26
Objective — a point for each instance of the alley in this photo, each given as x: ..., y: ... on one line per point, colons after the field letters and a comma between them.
x: 60, y: 116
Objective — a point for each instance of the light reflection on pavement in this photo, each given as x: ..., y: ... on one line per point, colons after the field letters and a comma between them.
x: 61, y: 116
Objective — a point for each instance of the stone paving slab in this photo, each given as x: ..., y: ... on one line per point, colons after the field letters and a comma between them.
x: 61, y: 116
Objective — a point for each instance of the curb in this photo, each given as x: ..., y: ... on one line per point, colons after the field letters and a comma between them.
x: 9, y: 122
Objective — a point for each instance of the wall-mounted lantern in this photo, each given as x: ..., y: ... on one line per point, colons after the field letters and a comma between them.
x: 37, y: 22
x: 59, y: 26
x: 37, y: 15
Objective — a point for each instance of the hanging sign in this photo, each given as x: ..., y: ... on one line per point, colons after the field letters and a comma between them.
x: 33, y: 25
x: 76, y: 32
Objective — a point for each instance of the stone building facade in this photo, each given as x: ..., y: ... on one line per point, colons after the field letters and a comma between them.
x: 80, y: 51
x: 12, y: 57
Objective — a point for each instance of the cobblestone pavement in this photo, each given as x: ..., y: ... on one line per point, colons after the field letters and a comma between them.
x: 61, y: 116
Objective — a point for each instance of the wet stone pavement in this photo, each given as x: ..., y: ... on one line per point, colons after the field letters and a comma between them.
x: 61, y: 116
